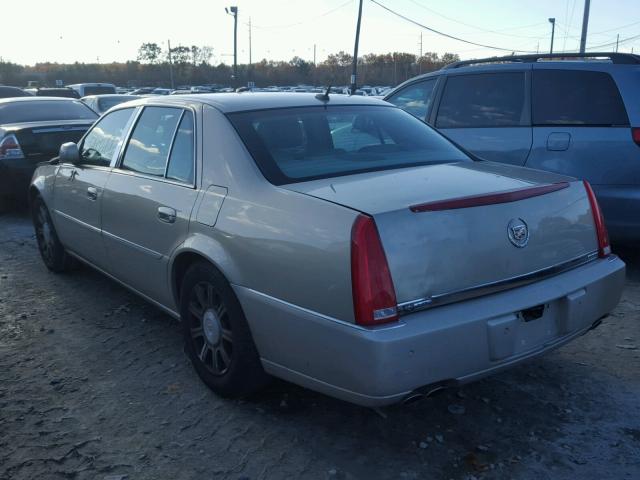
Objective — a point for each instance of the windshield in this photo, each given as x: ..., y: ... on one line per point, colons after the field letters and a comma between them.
x: 99, y: 90
x: 299, y: 144
x: 105, y: 103
x: 37, y: 111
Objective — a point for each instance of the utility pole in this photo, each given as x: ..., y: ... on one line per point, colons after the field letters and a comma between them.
x: 170, y: 64
x: 585, y: 24
x: 354, y: 72
x: 314, y: 55
x: 617, y: 42
x: 234, y: 12
x: 552, y: 21
x: 250, y: 62
x: 420, y: 59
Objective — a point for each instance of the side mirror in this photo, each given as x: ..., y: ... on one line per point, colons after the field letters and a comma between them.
x: 69, y: 153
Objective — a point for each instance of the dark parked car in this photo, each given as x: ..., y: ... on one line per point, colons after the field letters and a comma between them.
x: 563, y: 113
x: 31, y: 131
x: 9, y: 92
x: 64, y: 92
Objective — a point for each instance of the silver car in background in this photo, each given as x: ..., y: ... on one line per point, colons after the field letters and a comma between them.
x: 336, y: 242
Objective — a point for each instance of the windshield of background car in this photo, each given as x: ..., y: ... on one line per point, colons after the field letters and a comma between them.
x: 38, y: 111
x: 105, y: 103
x: 98, y: 90
x: 299, y: 144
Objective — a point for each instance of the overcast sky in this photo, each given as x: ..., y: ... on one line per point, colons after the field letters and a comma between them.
x: 78, y: 30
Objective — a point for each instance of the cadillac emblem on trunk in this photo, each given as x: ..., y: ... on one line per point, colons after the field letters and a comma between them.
x: 518, y: 232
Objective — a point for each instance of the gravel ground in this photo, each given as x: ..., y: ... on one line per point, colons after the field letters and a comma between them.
x: 94, y: 384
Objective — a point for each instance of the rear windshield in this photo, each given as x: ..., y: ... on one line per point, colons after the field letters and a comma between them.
x: 37, y: 111
x: 300, y: 144
x: 98, y: 90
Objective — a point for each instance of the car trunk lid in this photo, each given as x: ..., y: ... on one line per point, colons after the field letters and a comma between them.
x: 454, y: 230
x: 42, y: 140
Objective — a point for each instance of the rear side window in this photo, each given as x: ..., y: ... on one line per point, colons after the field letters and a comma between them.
x: 415, y: 98
x: 576, y: 97
x: 150, y: 142
x: 181, y: 159
x: 100, y: 144
x: 483, y: 100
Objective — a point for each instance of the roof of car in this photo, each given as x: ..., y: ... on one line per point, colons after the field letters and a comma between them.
x: 37, y: 99
x: 246, y: 101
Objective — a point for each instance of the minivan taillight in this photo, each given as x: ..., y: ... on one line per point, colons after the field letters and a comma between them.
x: 635, y: 134
x: 10, y: 148
x: 374, y: 298
x: 604, y: 246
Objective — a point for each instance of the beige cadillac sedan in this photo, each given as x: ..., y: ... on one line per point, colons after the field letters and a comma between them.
x: 336, y: 242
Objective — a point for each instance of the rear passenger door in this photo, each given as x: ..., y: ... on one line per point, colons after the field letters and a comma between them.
x: 148, y: 199
x: 488, y: 114
x: 581, y: 128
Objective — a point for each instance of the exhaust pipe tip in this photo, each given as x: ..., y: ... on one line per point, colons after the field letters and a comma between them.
x: 424, y: 392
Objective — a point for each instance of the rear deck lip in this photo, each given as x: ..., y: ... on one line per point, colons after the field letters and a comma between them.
x: 488, y: 198
x: 433, y: 301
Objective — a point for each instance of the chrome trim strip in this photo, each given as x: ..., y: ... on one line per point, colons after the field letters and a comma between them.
x: 128, y: 243
x: 321, y: 315
x: 419, y: 304
x: 79, y: 222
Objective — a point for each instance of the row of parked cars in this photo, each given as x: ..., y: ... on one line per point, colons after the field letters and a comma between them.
x: 343, y: 243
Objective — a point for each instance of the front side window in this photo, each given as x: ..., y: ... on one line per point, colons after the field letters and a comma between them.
x: 415, y: 98
x: 483, y: 100
x: 298, y: 144
x: 576, y: 97
x: 100, y: 144
x: 148, y: 148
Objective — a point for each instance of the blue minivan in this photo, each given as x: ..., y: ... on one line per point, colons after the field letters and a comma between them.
x: 568, y: 113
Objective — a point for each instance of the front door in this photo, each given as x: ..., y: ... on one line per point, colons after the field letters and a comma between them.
x: 148, y: 200
x: 78, y: 188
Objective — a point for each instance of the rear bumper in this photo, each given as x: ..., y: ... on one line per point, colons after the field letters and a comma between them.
x: 451, y: 344
x: 620, y: 206
x: 15, y: 177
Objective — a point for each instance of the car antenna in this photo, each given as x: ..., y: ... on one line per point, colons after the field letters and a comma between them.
x: 324, y: 96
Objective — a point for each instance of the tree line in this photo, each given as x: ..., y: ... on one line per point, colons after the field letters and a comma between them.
x: 191, y: 65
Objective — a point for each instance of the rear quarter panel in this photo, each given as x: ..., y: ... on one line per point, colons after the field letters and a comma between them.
x: 280, y: 243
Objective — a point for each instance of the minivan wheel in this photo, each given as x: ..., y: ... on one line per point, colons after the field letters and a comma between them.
x: 52, y: 252
x: 216, y: 334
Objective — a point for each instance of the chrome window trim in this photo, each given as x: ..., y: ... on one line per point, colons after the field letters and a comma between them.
x: 117, y: 166
x: 440, y: 299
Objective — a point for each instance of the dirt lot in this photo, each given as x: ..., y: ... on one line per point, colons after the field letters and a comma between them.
x: 94, y: 385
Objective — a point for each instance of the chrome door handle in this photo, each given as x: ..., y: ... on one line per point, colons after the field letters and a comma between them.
x: 166, y: 214
x: 92, y: 193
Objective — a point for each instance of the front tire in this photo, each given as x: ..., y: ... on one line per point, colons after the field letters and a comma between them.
x: 52, y: 252
x: 217, y: 337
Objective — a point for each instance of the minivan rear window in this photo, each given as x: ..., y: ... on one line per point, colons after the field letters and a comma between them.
x: 299, y: 144
x: 98, y: 90
x: 576, y: 97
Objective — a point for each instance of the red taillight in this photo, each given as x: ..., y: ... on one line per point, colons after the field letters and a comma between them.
x: 10, y: 148
x: 604, y: 246
x: 374, y: 298
x: 635, y: 134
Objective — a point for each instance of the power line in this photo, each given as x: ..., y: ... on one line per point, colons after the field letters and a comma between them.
x: 329, y: 12
x: 611, y: 44
x: 452, y: 37
x: 496, y: 32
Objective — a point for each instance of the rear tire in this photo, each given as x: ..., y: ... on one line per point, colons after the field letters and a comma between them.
x: 217, y: 337
x: 52, y: 252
